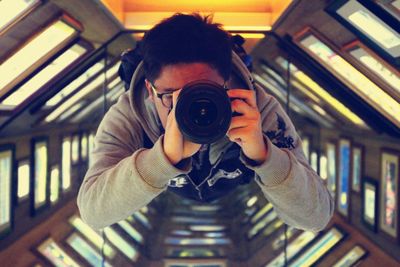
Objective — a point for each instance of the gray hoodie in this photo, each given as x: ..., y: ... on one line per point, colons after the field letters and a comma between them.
x: 125, y: 176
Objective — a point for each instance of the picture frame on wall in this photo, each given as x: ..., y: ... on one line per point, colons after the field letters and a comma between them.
x: 370, y: 25
x: 357, y: 155
x: 322, y: 50
x: 376, y: 68
x: 39, y: 183
x: 343, y: 183
x: 7, y: 182
x: 369, y: 203
x: 389, y: 193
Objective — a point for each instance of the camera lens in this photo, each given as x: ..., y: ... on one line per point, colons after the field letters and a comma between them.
x: 203, y: 112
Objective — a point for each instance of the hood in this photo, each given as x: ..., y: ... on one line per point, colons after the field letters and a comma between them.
x: 144, y: 110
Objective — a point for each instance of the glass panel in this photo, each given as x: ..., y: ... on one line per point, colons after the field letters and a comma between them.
x: 120, y: 243
x: 92, y: 235
x: 351, y: 257
x: 41, y: 78
x: 82, y: 247
x: 23, y: 179
x: 84, y: 146
x: 55, y: 254
x: 319, y: 249
x: 196, y: 241
x: 305, y: 141
x: 293, y: 248
x: 296, y: 105
x: 356, y: 171
x: 258, y: 227
x: 40, y: 175
x: 261, y: 212
x: 5, y: 188
x: 369, y: 203
x: 33, y: 53
x: 131, y: 231
x: 359, y: 83
x: 321, y: 92
x: 90, y: 148
x: 75, y: 149
x: 12, y: 10
x: 314, y: 161
x: 323, y: 169
x: 66, y: 163
x: 96, y: 83
x: 54, y: 184
x: 74, y: 84
x: 89, y: 108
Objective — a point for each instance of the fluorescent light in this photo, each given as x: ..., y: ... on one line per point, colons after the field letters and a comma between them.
x: 41, y: 78
x: 329, y: 99
x: 54, y: 184
x: 99, y: 80
x: 23, y: 179
x: 32, y: 54
x: 358, y: 82
x: 75, y: 84
x: 11, y: 10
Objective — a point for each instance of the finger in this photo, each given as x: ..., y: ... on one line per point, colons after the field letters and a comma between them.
x: 238, y: 122
x: 247, y: 95
x: 242, y: 107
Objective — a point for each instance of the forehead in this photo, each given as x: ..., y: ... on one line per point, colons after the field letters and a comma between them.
x: 177, y: 75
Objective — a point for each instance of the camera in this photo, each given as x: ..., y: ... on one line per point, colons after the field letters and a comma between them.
x: 203, y: 111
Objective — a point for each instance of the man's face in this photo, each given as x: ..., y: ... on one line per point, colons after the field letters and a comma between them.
x: 174, y: 77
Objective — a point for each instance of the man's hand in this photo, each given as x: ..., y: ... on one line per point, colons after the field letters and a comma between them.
x: 176, y: 147
x: 246, y: 129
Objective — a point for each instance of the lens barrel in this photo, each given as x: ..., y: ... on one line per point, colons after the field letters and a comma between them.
x: 203, y: 111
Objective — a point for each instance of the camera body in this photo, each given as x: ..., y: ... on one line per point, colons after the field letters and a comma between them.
x: 203, y: 111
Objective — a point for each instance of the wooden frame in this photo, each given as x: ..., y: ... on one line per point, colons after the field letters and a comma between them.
x: 357, y: 166
x: 384, y: 74
x: 7, y: 179
x: 325, y: 53
x: 390, y: 7
x: 367, y: 13
x: 369, y: 203
x: 389, y: 193
x: 35, y: 172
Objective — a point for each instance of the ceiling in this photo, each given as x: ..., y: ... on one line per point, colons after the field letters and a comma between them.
x: 251, y: 18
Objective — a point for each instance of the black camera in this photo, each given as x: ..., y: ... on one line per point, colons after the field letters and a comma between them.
x: 203, y: 111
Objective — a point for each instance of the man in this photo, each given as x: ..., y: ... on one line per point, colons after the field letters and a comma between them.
x: 140, y: 152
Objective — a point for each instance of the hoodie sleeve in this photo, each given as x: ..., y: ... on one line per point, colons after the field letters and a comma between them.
x: 123, y: 176
x: 296, y: 191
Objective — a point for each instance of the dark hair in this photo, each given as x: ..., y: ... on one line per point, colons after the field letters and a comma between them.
x: 186, y: 39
